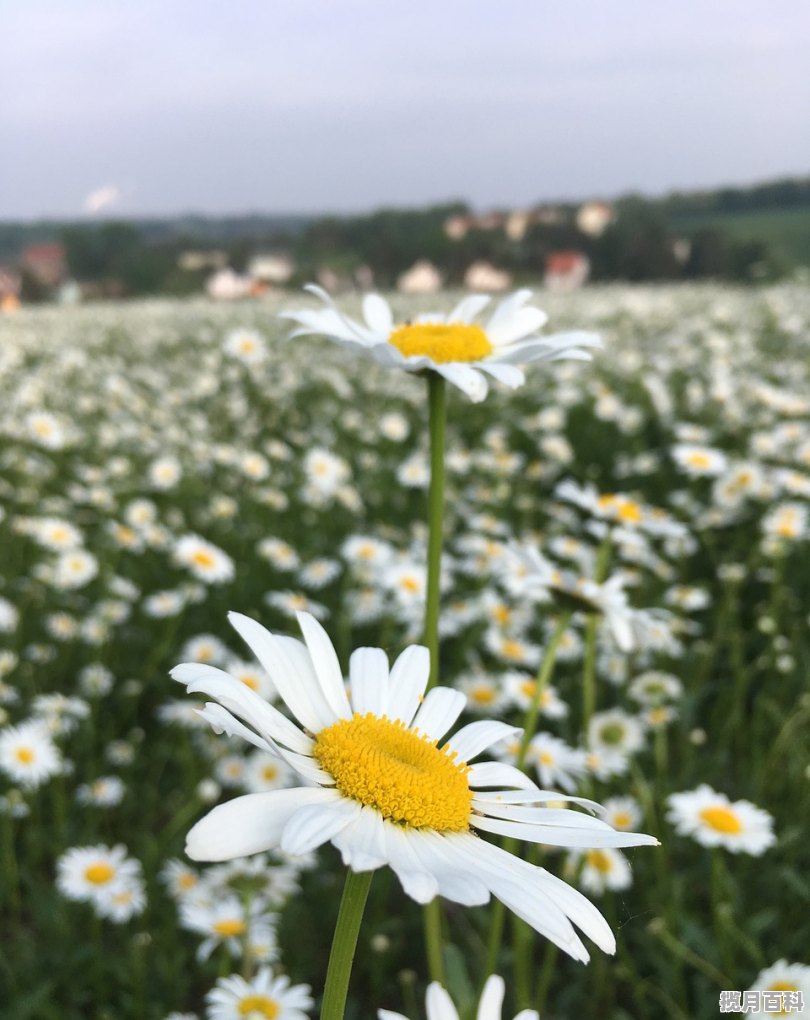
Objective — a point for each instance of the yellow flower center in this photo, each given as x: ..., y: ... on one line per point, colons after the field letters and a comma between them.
x: 250, y: 681
x: 269, y: 773
x: 405, y: 776
x: 229, y: 927
x: 483, y: 695
x: 721, y: 819
x: 441, y: 343
x: 99, y: 873
x: 781, y: 986
x: 24, y: 755
x: 512, y: 649
x: 622, y: 820
x: 255, y: 1006
x: 203, y: 558
x: 599, y: 860
x: 699, y: 460
x: 620, y: 507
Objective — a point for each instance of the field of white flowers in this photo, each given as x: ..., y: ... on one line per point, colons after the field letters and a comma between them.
x: 626, y: 571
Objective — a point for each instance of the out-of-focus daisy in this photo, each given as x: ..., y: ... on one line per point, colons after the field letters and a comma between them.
x: 226, y: 922
x: 265, y: 771
x: 318, y: 573
x: 439, y: 1005
x: 235, y: 998
x: 382, y: 789
x: 281, y: 554
x: 90, y: 873
x: 787, y: 521
x: 453, y: 345
x: 165, y: 473
x: 485, y: 694
x: 654, y: 687
x: 246, y: 345
x: 28, y: 756
x: 205, y: 560
x: 74, y: 569
x: 9, y: 616
x: 161, y: 605
x: 699, y: 461
x: 56, y: 534
x: 521, y: 689
x: 785, y: 990
x: 205, y: 648
x: 600, y: 870
x: 622, y: 812
x: 557, y: 764
x: 615, y: 735
x: 712, y: 819
x: 293, y: 602
x: 120, y: 902
x: 107, y: 791
x: 180, y: 880
x: 252, y: 676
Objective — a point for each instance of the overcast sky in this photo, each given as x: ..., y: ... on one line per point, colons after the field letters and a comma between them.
x: 165, y: 106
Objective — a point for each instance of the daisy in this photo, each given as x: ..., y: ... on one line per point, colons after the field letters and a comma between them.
x: 520, y: 689
x: 713, y: 820
x: 439, y: 1005
x: 622, y: 812
x: 206, y: 561
x: 74, y: 569
x: 788, y: 985
x: 614, y: 732
x: 453, y: 345
x: 265, y: 771
x: 28, y: 756
x: 265, y: 996
x: 485, y: 695
x: 226, y: 922
x: 205, y: 648
x: 699, y: 461
x: 246, y: 345
x: 164, y: 473
x: 383, y: 790
x: 107, y: 791
x: 280, y: 554
x: 121, y: 902
x: 600, y: 870
x: 557, y: 764
x: 88, y: 873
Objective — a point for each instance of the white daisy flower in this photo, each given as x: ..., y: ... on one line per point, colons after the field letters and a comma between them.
x: 121, y: 902
x: 785, y: 990
x: 205, y: 560
x: 712, y: 819
x: 28, y: 756
x: 699, y: 461
x: 106, y: 791
x: 74, y: 569
x: 89, y: 873
x: 382, y: 789
x: 600, y: 870
x: 227, y: 922
x: 246, y: 345
x: 622, y: 812
x: 439, y: 1005
x: 557, y: 764
x: 264, y: 996
x: 453, y: 345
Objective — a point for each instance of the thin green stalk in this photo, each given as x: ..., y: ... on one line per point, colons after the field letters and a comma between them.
x: 437, y: 410
x: 529, y: 723
x: 432, y: 916
x: 589, y: 672
x: 344, y: 943
x: 544, y: 981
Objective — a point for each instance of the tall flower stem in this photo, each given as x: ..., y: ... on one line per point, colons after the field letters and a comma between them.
x: 529, y: 724
x: 437, y: 410
x: 344, y: 943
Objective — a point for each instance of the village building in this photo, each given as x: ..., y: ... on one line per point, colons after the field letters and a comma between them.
x: 45, y: 263
x: 593, y: 218
x: 484, y: 276
x: 274, y: 268
x: 193, y: 261
x: 10, y: 284
x: 228, y: 285
x: 422, y: 278
x: 566, y: 270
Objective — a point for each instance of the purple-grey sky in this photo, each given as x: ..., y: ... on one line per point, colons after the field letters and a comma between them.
x: 311, y: 105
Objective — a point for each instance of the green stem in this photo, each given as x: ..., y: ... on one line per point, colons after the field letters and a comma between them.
x: 589, y: 672
x: 344, y: 943
x: 529, y: 723
x: 438, y: 417
x: 432, y: 916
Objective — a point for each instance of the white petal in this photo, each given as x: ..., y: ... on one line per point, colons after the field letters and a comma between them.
x: 377, y: 313
x: 509, y: 375
x: 572, y: 835
x: 456, y: 884
x: 506, y: 308
x: 523, y: 322
x: 290, y: 668
x: 221, y: 721
x: 467, y: 379
x: 362, y: 841
x: 326, y: 664
x: 249, y: 824
x: 438, y: 1003
x: 407, y: 683
x: 437, y: 713
x: 417, y: 881
x: 494, y: 773
x: 469, y: 308
x: 243, y: 701
x: 491, y: 998
x: 473, y: 738
x: 387, y: 1014
x: 368, y: 681
x: 533, y: 796
x: 313, y: 825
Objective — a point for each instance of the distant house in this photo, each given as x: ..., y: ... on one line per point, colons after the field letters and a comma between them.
x: 45, y: 263
x: 486, y: 277
x: 422, y: 278
x: 593, y: 218
x: 566, y: 270
x: 10, y: 283
x: 517, y: 223
x: 456, y: 227
x: 227, y: 285
x: 275, y: 268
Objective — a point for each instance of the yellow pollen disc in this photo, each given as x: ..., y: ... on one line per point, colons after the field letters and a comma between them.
x: 622, y: 820
x: 203, y: 558
x: 251, y: 682
x: 502, y: 614
x: 512, y: 649
x: 229, y: 928
x: 721, y: 819
x: 410, y: 584
x: 187, y: 881
x: 599, y: 860
x: 546, y: 758
x: 484, y: 695
x: 699, y: 460
x: 99, y: 873
x: 441, y: 343
x: 396, y: 770
x: 269, y: 772
x: 24, y: 755
x: 255, y: 1006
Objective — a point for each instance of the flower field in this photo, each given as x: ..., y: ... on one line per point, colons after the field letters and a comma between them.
x: 623, y: 609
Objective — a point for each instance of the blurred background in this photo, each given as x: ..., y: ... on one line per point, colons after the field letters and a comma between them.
x: 187, y: 148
